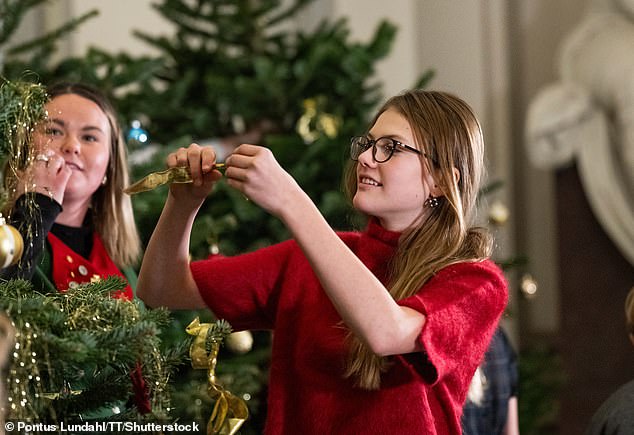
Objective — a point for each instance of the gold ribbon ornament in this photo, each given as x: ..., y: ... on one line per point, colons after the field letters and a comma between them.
x: 229, y: 412
x: 178, y: 174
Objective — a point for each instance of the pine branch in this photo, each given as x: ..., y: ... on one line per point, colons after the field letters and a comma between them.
x: 184, y: 16
x: 424, y: 80
x: 11, y: 14
x: 49, y: 38
x: 289, y: 12
x: 91, y: 395
x: 75, y: 350
x: 381, y: 44
x: 21, y: 107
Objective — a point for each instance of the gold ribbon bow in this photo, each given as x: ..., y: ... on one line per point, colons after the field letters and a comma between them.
x: 229, y: 412
x: 177, y: 174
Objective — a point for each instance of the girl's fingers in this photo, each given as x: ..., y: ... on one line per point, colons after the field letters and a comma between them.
x: 246, y: 149
x: 236, y: 173
x: 200, y: 161
x: 193, y: 161
x: 207, y: 159
x: 181, y: 157
x: 172, y: 160
x: 237, y: 166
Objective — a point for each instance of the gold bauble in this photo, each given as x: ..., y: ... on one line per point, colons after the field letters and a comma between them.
x: 528, y: 285
x: 498, y: 213
x: 11, y: 244
x: 240, y: 342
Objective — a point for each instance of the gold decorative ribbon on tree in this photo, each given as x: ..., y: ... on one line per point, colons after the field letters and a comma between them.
x: 315, y: 122
x: 229, y: 412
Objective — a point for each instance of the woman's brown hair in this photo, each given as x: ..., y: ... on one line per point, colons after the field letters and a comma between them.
x: 448, y: 133
x: 111, y: 209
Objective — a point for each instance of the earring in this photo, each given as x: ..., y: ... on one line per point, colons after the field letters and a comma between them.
x: 105, y: 180
x: 432, y: 202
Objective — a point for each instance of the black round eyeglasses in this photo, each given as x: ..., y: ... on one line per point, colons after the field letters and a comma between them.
x: 383, y: 148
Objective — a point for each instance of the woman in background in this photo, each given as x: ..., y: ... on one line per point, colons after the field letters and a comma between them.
x: 69, y: 205
x: 82, y: 227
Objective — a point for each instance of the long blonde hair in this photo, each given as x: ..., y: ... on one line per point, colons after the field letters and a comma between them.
x: 447, y: 131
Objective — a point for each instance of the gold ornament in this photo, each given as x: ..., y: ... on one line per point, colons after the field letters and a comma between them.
x: 498, y: 213
x: 314, y: 122
x: 229, y: 412
x: 240, y: 342
x: 11, y: 244
x: 528, y: 286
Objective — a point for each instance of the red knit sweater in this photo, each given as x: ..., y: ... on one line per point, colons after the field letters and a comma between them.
x: 422, y: 393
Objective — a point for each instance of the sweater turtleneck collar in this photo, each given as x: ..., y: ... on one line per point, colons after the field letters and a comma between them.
x: 376, y: 231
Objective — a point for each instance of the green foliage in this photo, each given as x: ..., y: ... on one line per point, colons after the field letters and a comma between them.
x: 11, y: 13
x: 21, y: 107
x: 34, y: 55
x: 541, y: 375
x: 229, y: 58
x: 75, y: 352
x: 236, y: 69
x: 233, y: 70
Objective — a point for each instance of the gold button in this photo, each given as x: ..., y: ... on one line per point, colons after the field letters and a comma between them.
x: 69, y: 258
x: 82, y: 269
x: 72, y: 274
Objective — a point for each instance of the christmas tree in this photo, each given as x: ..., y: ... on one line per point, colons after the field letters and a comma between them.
x: 79, y: 354
x: 35, y: 54
x: 232, y: 72
x: 76, y: 354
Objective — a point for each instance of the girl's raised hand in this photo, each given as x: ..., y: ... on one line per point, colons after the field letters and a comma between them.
x: 254, y: 171
x: 200, y: 161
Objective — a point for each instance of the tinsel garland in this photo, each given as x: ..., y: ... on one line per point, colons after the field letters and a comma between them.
x: 74, y: 352
x: 22, y: 106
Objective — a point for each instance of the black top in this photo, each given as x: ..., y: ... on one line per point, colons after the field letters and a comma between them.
x: 42, y: 217
x: 501, y: 373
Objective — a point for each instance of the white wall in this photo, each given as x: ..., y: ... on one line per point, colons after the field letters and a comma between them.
x: 539, y: 27
x: 112, y: 29
x: 400, y: 69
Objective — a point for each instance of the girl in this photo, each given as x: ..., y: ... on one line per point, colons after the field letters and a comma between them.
x: 377, y: 331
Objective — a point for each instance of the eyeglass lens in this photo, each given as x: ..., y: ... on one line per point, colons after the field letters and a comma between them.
x: 382, y: 148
